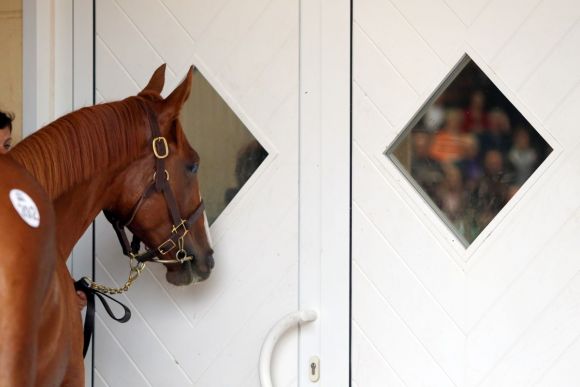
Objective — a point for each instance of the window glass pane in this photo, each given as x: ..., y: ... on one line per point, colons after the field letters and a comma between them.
x: 229, y: 152
x: 469, y: 151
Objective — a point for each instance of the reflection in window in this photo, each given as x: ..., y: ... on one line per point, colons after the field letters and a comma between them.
x: 469, y: 151
x: 228, y: 151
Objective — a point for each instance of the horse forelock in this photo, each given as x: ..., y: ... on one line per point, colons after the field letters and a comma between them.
x: 80, y: 144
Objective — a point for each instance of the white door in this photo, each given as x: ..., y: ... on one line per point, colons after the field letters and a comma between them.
x: 429, y: 309
x: 282, y: 243
x: 209, y: 334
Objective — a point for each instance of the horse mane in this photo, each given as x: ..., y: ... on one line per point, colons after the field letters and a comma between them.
x: 80, y: 144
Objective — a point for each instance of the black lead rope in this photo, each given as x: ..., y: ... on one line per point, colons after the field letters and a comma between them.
x: 84, y: 286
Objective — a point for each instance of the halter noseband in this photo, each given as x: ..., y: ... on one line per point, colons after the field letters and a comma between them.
x: 160, y: 183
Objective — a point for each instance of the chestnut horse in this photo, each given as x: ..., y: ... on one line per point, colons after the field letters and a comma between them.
x: 106, y: 157
x: 28, y: 253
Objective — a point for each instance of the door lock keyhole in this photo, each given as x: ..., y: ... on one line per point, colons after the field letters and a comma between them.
x: 314, y: 374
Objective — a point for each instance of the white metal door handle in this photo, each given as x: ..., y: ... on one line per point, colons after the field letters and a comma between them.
x: 285, y: 323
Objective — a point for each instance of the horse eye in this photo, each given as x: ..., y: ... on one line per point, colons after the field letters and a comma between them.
x: 192, y: 168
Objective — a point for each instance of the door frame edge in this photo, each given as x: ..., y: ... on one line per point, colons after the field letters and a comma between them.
x: 325, y: 187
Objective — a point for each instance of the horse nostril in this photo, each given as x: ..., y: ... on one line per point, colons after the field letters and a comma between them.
x: 210, y: 262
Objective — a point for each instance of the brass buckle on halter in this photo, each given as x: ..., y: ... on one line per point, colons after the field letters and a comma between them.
x: 179, y: 226
x: 166, y: 246
x: 165, y: 151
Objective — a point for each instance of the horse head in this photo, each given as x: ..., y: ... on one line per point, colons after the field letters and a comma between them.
x: 157, y: 197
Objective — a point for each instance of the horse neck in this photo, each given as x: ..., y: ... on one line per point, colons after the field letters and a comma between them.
x: 76, y: 157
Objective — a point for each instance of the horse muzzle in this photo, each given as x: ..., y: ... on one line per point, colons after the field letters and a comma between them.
x: 190, y: 271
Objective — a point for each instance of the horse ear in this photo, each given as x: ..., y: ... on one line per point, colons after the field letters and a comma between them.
x: 173, y: 103
x: 156, y: 82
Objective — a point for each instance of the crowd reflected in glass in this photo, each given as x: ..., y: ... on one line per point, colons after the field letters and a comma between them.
x: 470, y: 152
x: 229, y: 153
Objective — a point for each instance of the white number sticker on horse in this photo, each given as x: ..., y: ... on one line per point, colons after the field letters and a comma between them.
x: 25, y: 206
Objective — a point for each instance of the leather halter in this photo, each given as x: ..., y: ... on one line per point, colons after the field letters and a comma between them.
x: 159, y: 184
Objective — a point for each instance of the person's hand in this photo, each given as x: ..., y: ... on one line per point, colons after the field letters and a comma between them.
x: 82, y: 299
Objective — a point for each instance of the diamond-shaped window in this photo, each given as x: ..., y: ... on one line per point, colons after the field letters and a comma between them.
x: 229, y: 153
x: 468, y: 151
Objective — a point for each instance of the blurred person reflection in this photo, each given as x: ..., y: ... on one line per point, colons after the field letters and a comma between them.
x: 448, y: 144
x: 434, y: 116
x: 5, y: 132
x: 522, y: 156
x: 249, y: 159
x: 498, y: 133
x: 426, y: 171
x: 470, y: 165
x: 451, y: 195
x: 475, y: 117
x: 493, y: 190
